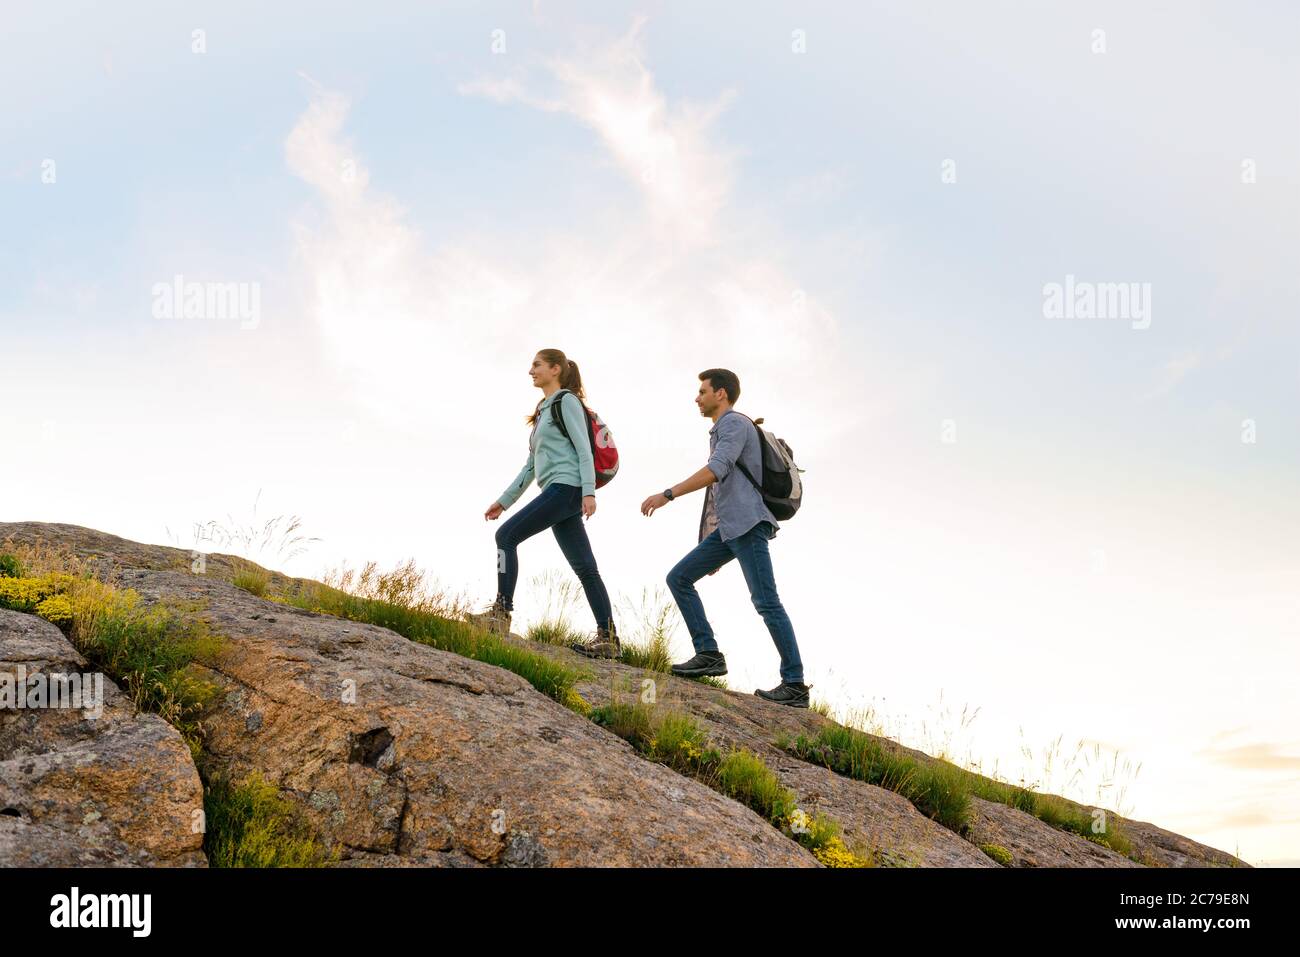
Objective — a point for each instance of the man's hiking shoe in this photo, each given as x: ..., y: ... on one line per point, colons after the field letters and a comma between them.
x: 495, y: 619
x: 705, y: 664
x: 604, y: 645
x: 796, y: 696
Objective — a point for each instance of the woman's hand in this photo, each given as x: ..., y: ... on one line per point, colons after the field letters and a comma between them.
x: 588, y: 506
x: 494, y: 512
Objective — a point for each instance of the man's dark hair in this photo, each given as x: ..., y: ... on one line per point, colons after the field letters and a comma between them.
x: 723, y: 379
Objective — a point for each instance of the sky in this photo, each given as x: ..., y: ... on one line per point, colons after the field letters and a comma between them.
x: 1055, y: 547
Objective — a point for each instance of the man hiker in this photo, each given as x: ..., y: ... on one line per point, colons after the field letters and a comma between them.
x: 736, y: 523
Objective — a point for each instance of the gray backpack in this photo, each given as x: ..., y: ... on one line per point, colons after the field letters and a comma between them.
x: 781, y: 487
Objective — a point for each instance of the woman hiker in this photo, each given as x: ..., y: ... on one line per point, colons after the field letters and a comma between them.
x: 565, y: 472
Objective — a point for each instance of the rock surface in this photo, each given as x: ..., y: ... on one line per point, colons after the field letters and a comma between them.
x: 875, y: 820
x: 398, y: 751
x: 119, y: 789
x: 403, y: 755
x: 1033, y: 843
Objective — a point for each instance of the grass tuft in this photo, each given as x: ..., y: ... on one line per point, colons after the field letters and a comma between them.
x: 821, y: 707
x: 250, y: 825
x: 998, y: 853
x: 10, y: 566
x: 278, y: 539
x: 555, y: 626
x: 938, y: 790
x: 251, y: 578
x: 649, y: 645
x: 552, y: 633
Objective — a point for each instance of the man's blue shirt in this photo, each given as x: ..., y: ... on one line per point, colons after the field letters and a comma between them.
x: 732, y: 504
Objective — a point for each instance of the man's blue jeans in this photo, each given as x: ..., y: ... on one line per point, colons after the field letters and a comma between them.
x: 751, y: 550
x: 559, y: 508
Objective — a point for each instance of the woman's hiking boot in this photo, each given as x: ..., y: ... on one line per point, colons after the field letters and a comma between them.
x: 787, y: 693
x: 495, y: 619
x: 604, y: 645
x: 706, y: 664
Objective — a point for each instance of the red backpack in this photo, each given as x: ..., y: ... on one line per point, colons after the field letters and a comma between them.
x: 603, y: 450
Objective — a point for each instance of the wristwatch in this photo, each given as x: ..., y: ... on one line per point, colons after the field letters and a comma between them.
x: 668, y: 494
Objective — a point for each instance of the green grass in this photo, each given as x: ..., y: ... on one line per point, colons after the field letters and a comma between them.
x: 744, y: 776
x: 1058, y: 813
x: 634, y: 724
x: 146, y: 650
x: 937, y: 790
x: 425, y: 621
x: 648, y: 644
x: 10, y: 566
x: 250, y: 825
x: 652, y: 655
x: 677, y: 741
x: 552, y: 633
x: 645, y: 644
x: 251, y: 578
x: 656, y: 655
x: 682, y: 744
x: 940, y: 789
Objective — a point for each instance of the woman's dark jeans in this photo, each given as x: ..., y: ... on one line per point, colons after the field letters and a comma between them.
x: 559, y: 508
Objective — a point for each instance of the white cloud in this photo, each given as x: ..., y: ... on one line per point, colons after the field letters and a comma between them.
x: 684, y: 177
x: 678, y: 281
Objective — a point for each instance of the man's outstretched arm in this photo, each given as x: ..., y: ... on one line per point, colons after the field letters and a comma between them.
x: 731, y: 441
x: 701, y: 479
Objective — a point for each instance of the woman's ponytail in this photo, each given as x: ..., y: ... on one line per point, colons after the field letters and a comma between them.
x: 571, y: 379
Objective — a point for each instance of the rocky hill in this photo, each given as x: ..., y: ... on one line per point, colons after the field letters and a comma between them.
x: 394, y: 752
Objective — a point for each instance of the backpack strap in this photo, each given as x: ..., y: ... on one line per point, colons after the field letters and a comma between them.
x: 558, y: 418
x: 745, y: 471
x: 741, y: 465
